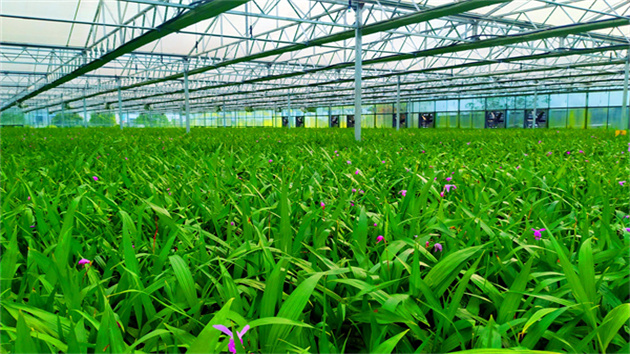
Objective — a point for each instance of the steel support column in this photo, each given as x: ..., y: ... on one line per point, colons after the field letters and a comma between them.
x: 223, y: 113
x: 120, y: 105
x: 398, y: 103
x: 85, y: 117
x: 186, y: 97
x: 289, y: 108
x: 358, y: 68
x: 535, y: 107
x: 624, y: 105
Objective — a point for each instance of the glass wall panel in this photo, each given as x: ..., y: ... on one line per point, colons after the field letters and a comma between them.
x: 479, y: 119
x: 367, y: 121
x: 495, y: 103
x: 598, y: 99
x: 558, y: 118
x: 383, y: 120
x: 446, y: 120
x: 426, y: 106
x: 465, y: 120
x: 441, y: 106
x: 577, y: 100
x: 616, y: 98
x: 596, y: 117
x: 558, y: 100
x: 452, y: 105
x: 515, y: 118
x: 614, y: 118
x: 520, y: 102
x: 474, y: 104
x: 576, y: 118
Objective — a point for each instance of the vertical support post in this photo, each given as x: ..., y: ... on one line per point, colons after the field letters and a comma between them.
x: 223, y: 113
x: 329, y: 116
x: 120, y: 105
x: 85, y: 117
x: 289, y: 105
x: 186, y: 97
x: 63, y: 112
x: 624, y: 105
x: 535, y: 107
x: 358, y: 71
x: 398, y: 103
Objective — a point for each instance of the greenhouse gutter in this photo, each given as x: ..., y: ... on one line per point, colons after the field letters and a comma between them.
x: 195, y: 15
x: 414, y: 18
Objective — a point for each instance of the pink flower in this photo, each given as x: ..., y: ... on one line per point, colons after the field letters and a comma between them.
x: 354, y: 190
x: 442, y: 194
x: 226, y: 331
x: 383, y: 161
x: 581, y: 152
x: 375, y: 224
x: 468, y: 143
x: 379, y: 238
x: 84, y: 261
x: 537, y: 234
x: 29, y: 198
x: 95, y: 178
x: 568, y: 152
x: 361, y: 191
x: 426, y: 245
x: 423, y: 151
x: 126, y: 158
x: 517, y: 167
x: 270, y: 160
x: 356, y: 172
x: 351, y: 204
x: 323, y: 205
x: 349, y: 162
x: 628, y: 229
x: 539, y: 141
x: 549, y: 153
x: 403, y: 192
x: 449, y: 186
x: 621, y: 183
x: 232, y: 223
x: 448, y: 179
x: 438, y: 247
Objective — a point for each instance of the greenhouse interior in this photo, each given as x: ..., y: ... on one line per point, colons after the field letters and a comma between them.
x: 462, y: 187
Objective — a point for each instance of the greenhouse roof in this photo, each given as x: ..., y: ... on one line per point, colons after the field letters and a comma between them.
x: 256, y: 53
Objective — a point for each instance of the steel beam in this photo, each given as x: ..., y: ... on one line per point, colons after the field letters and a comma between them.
x: 624, y: 105
x: 358, y: 68
x: 186, y: 98
x: 199, y: 13
x: 120, y: 105
x: 398, y: 103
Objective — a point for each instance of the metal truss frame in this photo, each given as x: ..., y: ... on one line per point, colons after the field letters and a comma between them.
x: 256, y: 53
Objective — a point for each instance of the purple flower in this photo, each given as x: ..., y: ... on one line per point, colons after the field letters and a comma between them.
x: 356, y: 172
x: 351, y: 204
x: 32, y: 226
x: 539, y: 141
x: 468, y: 143
x: 354, y: 190
x: 361, y: 191
x: 84, y: 261
x: 621, y: 183
x: 568, y: 152
x: 403, y: 192
x: 628, y: 229
x: 349, y: 162
x: 581, y: 152
x: 379, y: 238
x: 537, y: 234
x: 126, y: 158
x: 448, y: 179
x: 226, y: 331
x: 549, y: 153
x: 95, y: 178
x: 438, y: 247
x: 449, y: 186
x: 270, y: 160
x: 232, y: 223
x: 375, y: 224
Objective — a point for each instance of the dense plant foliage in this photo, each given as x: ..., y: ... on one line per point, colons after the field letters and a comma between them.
x: 419, y: 241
